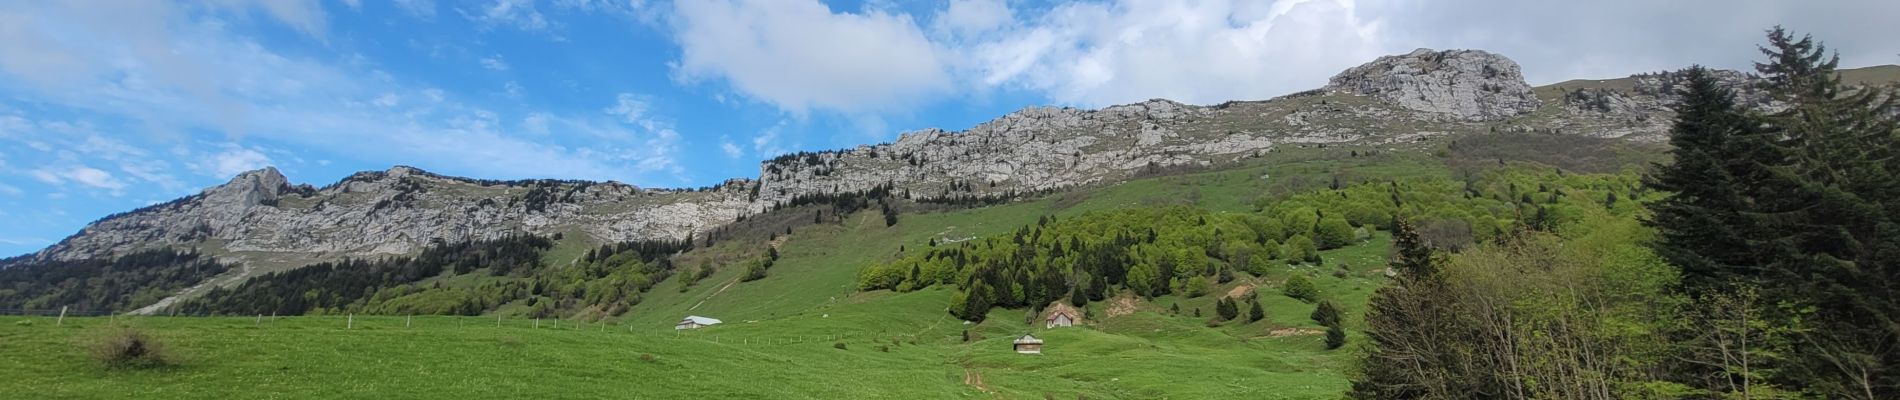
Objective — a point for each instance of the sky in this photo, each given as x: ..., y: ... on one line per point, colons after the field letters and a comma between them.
x: 109, y: 105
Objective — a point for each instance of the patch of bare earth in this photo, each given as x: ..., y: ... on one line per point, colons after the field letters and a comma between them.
x: 1241, y: 291
x: 1284, y: 332
x: 1121, y: 306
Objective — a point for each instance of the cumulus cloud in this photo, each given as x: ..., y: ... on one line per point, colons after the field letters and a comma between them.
x: 521, y: 14
x: 233, y: 160
x: 175, y: 70
x: 731, y: 149
x: 801, y: 55
x: 83, y: 175
x: 972, y: 17
x: 494, y: 63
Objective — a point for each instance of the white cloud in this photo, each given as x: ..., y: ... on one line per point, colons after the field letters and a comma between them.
x: 519, y: 13
x: 233, y: 160
x: 424, y: 9
x: 1192, y: 51
x: 767, y: 143
x: 83, y: 175
x: 731, y: 149
x: 536, y: 123
x: 800, y: 55
x: 10, y: 190
x: 512, y: 89
x: 247, y: 90
x: 355, y: 5
x: 628, y: 107
x: 972, y: 17
x: 494, y: 62
x: 386, y: 100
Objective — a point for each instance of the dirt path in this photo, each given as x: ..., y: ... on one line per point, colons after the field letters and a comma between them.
x: 244, y: 272
x: 722, y: 289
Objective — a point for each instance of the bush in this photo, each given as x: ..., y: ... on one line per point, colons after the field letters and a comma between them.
x: 1326, y: 314
x: 1335, y: 337
x: 1226, y: 309
x: 647, y: 357
x: 838, y: 345
x: 1255, y: 313
x: 1299, y: 287
x: 128, y: 347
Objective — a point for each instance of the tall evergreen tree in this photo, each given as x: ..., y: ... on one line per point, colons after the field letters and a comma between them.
x: 1406, y: 322
x: 1699, y: 224
x: 1829, y: 218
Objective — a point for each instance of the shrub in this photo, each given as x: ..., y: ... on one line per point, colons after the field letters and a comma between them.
x: 1299, y: 287
x: 128, y: 347
x: 838, y: 345
x: 885, y: 349
x: 1226, y: 309
x: 1326, y: 314
x: 1335, y: 337
x: 1255, y: 314
x: 647, y: 357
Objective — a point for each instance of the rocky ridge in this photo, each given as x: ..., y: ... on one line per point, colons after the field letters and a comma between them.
x: 1391, y: 101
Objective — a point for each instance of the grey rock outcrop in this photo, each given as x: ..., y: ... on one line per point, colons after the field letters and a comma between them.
x: 1466, y: 84
x: 1391, y: 103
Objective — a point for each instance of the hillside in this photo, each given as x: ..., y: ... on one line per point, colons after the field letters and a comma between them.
x: 262, y: 220
x: 781, y: 330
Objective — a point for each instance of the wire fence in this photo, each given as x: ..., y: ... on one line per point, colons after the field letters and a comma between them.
x: 384, y: 322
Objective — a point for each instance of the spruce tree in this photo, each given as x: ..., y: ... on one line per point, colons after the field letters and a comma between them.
x: 1325, y: 313
x: 1226, y: 309
x: 1698, y: 223
x: 1255, y: 313
x: 1827, y: 220
x: 1335, y: 336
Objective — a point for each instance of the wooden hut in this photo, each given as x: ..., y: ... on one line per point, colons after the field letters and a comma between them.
x: 1028, y: 345
x: 1061, y: 315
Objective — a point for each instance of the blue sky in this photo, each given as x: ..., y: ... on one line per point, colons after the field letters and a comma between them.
x: 110, y: 105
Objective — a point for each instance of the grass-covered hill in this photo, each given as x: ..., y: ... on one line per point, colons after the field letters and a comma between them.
x: 802, y: 321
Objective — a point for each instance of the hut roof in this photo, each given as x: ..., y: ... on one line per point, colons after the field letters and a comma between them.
x: 1061, y: 308
x: 1027, y: 339
x: 699, y: 320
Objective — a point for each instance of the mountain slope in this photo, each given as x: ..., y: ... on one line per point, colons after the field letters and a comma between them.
x: 260, y: 218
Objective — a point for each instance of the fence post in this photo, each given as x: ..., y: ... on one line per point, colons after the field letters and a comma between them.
x: 350, y: 323
x: 537, y: 323
x: 62, y: 316
x: 260, y: 320
x: 497, y: 320
x: 408, y: 321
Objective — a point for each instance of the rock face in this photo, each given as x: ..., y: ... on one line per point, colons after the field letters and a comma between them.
x: 398, y: 211
x: 1467, y: 84
x: 1392, y: 102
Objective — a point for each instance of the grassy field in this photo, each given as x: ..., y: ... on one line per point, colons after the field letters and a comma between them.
x: 780, y: 333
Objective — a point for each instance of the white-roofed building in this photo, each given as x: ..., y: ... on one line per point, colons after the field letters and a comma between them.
x: 695, y: 322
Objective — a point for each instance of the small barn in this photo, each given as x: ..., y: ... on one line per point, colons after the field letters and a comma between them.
x: 1028, y: 345
x: 1061, y: 315
x: 695, y: 322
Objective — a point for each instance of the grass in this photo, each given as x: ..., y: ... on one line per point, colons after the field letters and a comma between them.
x: 780, y: 335
x: 778, y: 342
